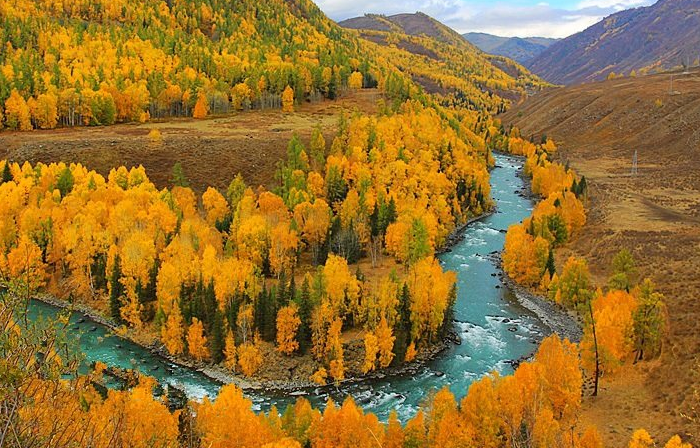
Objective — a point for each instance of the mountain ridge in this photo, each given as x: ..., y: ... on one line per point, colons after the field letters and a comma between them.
x: 661, y: 36
x: 412, y: 24
x: 520, y: 49
x: 441, y: 61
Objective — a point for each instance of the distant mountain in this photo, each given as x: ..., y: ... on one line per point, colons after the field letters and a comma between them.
x: 661, y: 36
x: 522, y: 50
x: 417, y: 24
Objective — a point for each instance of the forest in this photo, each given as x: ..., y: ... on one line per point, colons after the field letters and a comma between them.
x: 247, y: 276
x: 194, y: 58
x: 624, y: 321
x: 537, y: 406
x: 214, y: 276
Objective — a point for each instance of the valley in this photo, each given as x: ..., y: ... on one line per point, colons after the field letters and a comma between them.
x: 242, y: 225
x: 654, y: 213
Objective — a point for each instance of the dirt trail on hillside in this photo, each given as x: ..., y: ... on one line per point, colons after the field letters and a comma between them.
x: 655, y: 214
x: 211, y: 151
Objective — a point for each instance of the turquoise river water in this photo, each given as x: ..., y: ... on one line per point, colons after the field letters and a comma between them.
x: 493, y: 328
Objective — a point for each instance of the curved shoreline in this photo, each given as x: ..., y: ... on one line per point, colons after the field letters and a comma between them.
x: 552, y: 317
x: 223, y: 376
x: 559, y: 320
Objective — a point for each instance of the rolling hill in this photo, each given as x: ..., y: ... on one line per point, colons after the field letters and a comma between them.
x: 598, y: 128
x: 660, y: 36
x: 418, y: 24
x: 102, y: 62
x: 443, y: 62
x: 158, y: 58
x: 520, y: 49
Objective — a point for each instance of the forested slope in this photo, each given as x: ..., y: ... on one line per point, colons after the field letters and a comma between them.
x: 91, y: 63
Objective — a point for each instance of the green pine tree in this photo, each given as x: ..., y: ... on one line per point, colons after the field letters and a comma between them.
x: 551, y: 267
x: 116, y: 291
x: 178, y: 176
x: 6, y: 173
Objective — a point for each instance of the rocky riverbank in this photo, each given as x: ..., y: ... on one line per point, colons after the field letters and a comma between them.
x: 213, y: 372
x: 559, y: 320
x: 457, y: 234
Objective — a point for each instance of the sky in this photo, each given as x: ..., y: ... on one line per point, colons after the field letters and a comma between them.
x: 523, y: 18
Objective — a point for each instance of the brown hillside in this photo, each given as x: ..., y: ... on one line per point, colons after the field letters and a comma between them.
x: 417, y: 24
x: 663, y: 35
x: 656, y: 214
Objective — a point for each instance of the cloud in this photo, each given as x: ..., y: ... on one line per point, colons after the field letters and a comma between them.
x: 612, y: 4
x: 503, y: 18
x: 524, y: 21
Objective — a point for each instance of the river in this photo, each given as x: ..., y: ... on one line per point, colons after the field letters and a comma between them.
x: 493, y: 327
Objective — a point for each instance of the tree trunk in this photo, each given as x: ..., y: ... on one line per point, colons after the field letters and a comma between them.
x: 595, y: 345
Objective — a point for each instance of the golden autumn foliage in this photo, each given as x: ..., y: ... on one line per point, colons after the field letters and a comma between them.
x: 378, y: 347
x: 548, y: 177
x: 410, y: 352
x: 135, y: 419
x: 431, y: 290
x: 287, y: 325
x: 320, y: 377
x: 196, y: 341
x: 528, y: 250
x: 230, y: 352
x: 17, y: 116
x: 201, y: 107
x: 385, y: 340
x: 24, y: 263
x: 249, y: 358
x: 44, y: 110
x: 347, y: 426
x: 676, y: 442
x: 524, y: 256
x: 284, y: 243
x: 229, y: 422
x: 341, y: 285
x: 337, y: 369
x: 641, y: 439
x: 614, y: 322
x: 215, y: 206
x: 172, y: 332
x: 355, y: 80
x: 371, y: 352
x: 314, y: 221
x: 288, y: 100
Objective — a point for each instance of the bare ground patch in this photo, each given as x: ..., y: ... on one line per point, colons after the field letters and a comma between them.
x: 211, y: 151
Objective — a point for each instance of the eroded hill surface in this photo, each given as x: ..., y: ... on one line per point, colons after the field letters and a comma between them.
x: 663, y: 35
